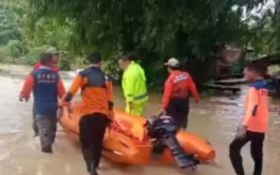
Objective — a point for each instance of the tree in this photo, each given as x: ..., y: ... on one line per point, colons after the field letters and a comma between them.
x: 192, y: 30
x: 9, y: 25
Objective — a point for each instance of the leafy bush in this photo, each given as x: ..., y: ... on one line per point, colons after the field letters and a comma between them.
x: 4, y: 54
x: 15, y: 48
x: 33, y: 55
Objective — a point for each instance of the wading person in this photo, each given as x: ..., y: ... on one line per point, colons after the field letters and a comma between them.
x: 255, y: 122
x: 96, y: 109
x: 47, y: 87
x: 55, y: 56
x: 134, y: 86
x: 177, y: 90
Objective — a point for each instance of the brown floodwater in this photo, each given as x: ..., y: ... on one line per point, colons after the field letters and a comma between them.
x: 215, y: 118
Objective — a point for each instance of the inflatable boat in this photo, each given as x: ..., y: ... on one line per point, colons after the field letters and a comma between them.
x: 127, y: 140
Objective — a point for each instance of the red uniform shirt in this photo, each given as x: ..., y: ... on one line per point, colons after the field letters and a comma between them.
x: 178, y: 85
x: 38, y: 65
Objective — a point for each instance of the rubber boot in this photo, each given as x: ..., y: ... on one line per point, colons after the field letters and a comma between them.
x: 46, y: 143
x: 47, y: 149
x: 93, y: 170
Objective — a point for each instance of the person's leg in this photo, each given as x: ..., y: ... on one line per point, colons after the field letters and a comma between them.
x: 45, y: 133
x: 235, y: 157
x: 186, y: 119
x: 138, y: 109
x: 128, y: 108
x: 54, y: 121
x: 34, y: 123
x: 171, y: 110
x: 86, y: 141
x: 100, y: 124
x: 185, y: 108
x: 178, y: 109
x: 257, y: 140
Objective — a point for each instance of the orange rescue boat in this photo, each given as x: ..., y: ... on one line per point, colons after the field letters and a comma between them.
x: 126, y: 140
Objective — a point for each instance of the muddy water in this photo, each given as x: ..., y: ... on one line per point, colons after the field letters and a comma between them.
x: 215, y: 118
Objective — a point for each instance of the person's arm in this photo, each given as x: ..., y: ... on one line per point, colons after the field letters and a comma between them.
x: 27, y: 88
x: 61, y: 89
x: 193, y: 89
x: 109, y: 91
x: 252, y: 106
x: 77, y: 83
x: 167, y: 93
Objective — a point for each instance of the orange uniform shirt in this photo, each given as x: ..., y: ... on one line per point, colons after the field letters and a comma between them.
x: 97, y: 91
x: 256, y: 108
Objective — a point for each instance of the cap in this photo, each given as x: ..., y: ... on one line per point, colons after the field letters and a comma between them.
x: 52, y: 50
x: 172, y: 62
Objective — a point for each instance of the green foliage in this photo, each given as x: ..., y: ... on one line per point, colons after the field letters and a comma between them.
x: 192, y: 30
x: 264, y: 34
x: 66, y: 61
x: 4, y: 54
x: 34, y: 54
x: 9, y: 25
x: 15, y: 48
x: 177, y: 28
x: 154, y: 29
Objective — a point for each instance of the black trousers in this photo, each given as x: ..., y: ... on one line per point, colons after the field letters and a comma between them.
x: 178, y: 109
x: 256, y: 140
x: 92, y: 130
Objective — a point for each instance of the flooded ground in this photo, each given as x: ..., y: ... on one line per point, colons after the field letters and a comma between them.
x: 213, y: 119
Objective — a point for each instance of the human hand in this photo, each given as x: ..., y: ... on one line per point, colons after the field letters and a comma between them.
x: 111, y: 115
x: 64, y: 103
x: 22, y: 99
x: 161, y: 112
x: 241, y: 132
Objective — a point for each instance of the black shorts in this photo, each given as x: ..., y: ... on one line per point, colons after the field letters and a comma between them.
x: 178, y: 109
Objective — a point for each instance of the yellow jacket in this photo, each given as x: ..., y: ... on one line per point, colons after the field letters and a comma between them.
x: 134, y: 84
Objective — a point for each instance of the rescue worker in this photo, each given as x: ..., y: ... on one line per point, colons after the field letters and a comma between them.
x: 55, y: 56
x: 177, y: 90
x: 256, y: 120
x: 47, y: 87
x: 134, y: 86
x: 96, y: 109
